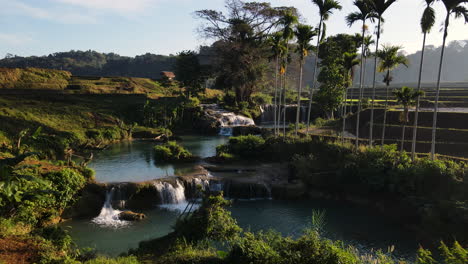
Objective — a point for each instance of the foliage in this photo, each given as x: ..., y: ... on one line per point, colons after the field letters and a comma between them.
x: 211, y: 221
x: 190, y: 73
x: 334, y: 70
x: 407, y: 97
x: 92, y: 63
x: 171, y: 151
x: 178, y: 112
x: 249, y: 146
x: 240, y: 43
x: 119, y: 260
x: 33, y: 78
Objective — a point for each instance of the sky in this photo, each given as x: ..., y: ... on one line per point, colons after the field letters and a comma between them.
x: 134, y: 27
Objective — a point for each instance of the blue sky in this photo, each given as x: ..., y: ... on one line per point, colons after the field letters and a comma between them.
x: 133, y: 27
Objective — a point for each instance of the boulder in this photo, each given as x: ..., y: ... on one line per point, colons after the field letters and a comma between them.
x: 131, y: 216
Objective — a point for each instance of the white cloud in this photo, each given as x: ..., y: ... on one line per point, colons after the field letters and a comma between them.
x: 53, y: 14
x: 121, y: 6
x: 14, y: 39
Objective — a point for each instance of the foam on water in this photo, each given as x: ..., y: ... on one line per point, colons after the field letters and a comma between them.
x: 109, y: 217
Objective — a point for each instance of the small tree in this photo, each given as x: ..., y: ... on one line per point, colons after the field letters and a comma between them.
x: 406, y: 96
x: 189, y: 72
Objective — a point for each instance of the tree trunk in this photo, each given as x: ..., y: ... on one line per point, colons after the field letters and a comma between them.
x: 361, y: 80
x: 385, y: 110
x: 314, y: 82
x: 278, y: 116
x: 403, y: 137
x: 299, y: 91
x: 416, y: 113
x: 436, y: 103
x: 284, y: 104
x: 275, y: 103
x: 371, y: 126
x: 343, y: 116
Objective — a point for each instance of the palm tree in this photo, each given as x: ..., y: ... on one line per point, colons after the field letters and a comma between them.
x: 326, y: 8
x: 368, y: 41
x: 304, y: 35
x: 363, y: 15
x: 277, y: 49
x: 378, y: 7
x: 350, y: 60
x: 287, y: 21
x: 427, y: 22
x: 407, y: 97
x: 457, y: 8
x: 389, y: 60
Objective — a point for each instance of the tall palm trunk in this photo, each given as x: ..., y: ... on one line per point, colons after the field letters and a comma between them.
x: 416, y: 113
x: 284, y: 104
x: 385, y: 110
x: 361, y: 80
x: 314, y: 82
x: 403, y: 138
x: 280, y: 104
x: 343, y: 116
x: 436, y: 103
x: 371, y: 126
x: 299, y: 91
x: 275, y: 102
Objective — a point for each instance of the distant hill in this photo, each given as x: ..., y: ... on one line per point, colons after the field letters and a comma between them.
x: 93, y: 63
x: 455, y: 66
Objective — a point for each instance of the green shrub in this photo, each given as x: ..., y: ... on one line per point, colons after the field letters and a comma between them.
x: 249, y: 146
x: 261, y: 99
x: 120, y: 260
x: 59, y: 237
x: 171, y: 151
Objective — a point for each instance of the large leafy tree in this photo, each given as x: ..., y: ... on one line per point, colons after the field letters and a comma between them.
x: 332, y: 76
x: 407, y: 97
x: 304, y: 35
x: 389, y: 60
x: 459, y: 9
x: 378, y: 7
x: 427, y: 22
x: 241, y: 45
x: 326, y: 8
x: 365, y: 13
x: 190, y: 73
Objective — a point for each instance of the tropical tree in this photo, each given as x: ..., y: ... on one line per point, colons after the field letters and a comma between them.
x: 326, y: 8
x: 378, y: 7
x: 389, y: 60
x: 459, y: 9
x: 190, y: 73
x: 407, y: 97
x: 427, y: 22
x: 304, y: 35
x: 364, y: 13
x: 288, y: 21
x: 349, y: 61
x: 278, y: 49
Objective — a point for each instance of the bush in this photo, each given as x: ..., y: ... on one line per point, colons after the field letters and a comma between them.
x: 249, y: 146
x: 261, y: 99
x: 120, y: 260
x: 171, y: 151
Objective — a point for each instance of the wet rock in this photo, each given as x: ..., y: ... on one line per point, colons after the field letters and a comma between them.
x: 131, y: 216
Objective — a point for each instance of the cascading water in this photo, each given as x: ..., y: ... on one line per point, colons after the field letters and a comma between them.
x: 172, y: 198
x: 226, y: 120
x: 109, y: 217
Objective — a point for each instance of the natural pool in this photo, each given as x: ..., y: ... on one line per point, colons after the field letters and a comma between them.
x: 133, y: 161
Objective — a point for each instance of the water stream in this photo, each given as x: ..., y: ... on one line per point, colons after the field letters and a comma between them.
x: 132, y: 161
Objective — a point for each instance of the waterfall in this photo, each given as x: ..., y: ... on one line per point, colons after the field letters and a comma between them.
x: 226, y: 120
x: 108, y: 216
x: 172, y: 198
x: 205, y: 184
